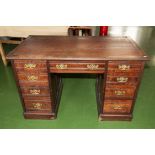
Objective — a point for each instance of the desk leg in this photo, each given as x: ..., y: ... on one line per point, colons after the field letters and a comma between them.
x: 56, y: 90
x: 2, y: 52
x: 99, y: 92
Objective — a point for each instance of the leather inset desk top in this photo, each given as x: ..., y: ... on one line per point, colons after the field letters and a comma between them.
x: 78, y: 48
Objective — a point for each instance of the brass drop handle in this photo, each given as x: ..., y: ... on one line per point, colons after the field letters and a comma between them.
x: 29, y: 66
x: 35, y: 91
x: 32, y: 78
x: 117, y: 107
x: 92, y: 66
x: 37, y: 106
x: 61, y: 66
x: 119, y: 92
x: 122, y: 79
x: 123, y: 67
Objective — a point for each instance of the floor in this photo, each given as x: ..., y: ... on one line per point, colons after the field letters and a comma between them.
x: 78, y: 106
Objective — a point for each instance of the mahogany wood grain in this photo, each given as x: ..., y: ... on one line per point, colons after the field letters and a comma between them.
x: 45, y: 106
x: 35, y: 91
x: 34, y: 83
x: 117, y: 106
x: 130, y: 79
x: 39, y: 115
x: 77, y: 48
x: 28, y: 77
x: 119, y: 91
x: 115, y: 117
x: 37, y: 98
x: 76, y: 67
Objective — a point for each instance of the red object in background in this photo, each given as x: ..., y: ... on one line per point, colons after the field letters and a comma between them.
x: 103, y: 30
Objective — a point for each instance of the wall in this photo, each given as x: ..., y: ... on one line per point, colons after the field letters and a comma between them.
x: 140, y: 34
x: 24, y: 31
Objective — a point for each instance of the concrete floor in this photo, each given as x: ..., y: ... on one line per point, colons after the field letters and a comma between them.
x: 78, y: 106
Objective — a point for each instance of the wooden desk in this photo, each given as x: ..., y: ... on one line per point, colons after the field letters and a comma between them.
x: 117, y: 61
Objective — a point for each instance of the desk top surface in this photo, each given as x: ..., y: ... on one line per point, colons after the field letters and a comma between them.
x: 77, y: 48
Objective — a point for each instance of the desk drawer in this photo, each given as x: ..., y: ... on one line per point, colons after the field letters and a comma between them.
x: 41, y: 106
x: 35, y: 91
x: 122, y: 79
x: 34, y: 83
x: 116, y: 72
x: 37, y: 103
x: 125, y: 66
x: 37, y: 98
x: 29, y: 65
x: 31, y: 71
x: 119, y: 91
x: 76, y: 67
x: 32, y: 77
x: 117, y: 106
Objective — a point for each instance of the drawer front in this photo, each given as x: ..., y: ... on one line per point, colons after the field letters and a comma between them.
x: 41, y: 106
x: 36, y: 98
x: 34, y: 84
x: 32, y: 77
x: 119, y: 91
x: 117, y: 106
x: 122, y: 79
x: 37, y: 103
x: 30, y: 65
x: 35, y: 91
x: 31, y: 71
x: 125, y: 66
x: 79, y: 67
x: 113, y: 72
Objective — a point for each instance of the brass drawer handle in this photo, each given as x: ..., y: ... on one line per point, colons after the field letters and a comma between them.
x: 92, y: 66
x: 32, y: 78
x: 122, y: 79
x: 29, y: 66
x: 37, y: 106
x: 123, y: 67
x: 61, y: 66
x: 117, y: 107
x: 119, y: 92
x: 35, y: 91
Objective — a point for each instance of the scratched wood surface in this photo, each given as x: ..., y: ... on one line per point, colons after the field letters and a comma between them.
x: 77, y: 48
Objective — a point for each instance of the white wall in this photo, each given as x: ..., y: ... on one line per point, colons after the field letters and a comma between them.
x: 138, y: 33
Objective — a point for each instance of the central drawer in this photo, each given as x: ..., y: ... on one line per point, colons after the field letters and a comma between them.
x: 76, y: 67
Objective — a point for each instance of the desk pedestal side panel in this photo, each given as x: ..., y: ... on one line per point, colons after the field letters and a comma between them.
x: 39, y: 90
x: 120, y: 89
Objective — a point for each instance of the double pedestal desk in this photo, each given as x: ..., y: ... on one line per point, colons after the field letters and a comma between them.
x: 39, y: 61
